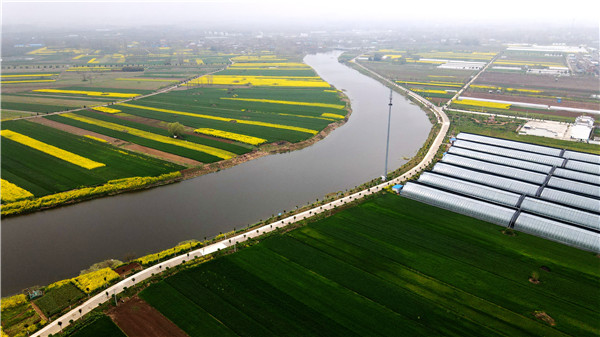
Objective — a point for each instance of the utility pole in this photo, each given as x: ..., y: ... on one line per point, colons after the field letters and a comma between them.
x: 387, y: 145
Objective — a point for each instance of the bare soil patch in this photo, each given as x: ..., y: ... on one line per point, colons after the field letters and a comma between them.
x: 541, y: 315
x: 128, y: 269
x: 39, y: 311
x: 584, y: 84
x: 138, y: 319
x: 535, y: 100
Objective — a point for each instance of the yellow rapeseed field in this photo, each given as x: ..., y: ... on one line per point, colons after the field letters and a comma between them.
x: 261, y: 100
x: 434, y: 83
x: 106, y: 109
x: 254, y: 58
x: 428, y: 91
x: 96, y: 138
x: 84, y: 68
x: 230, y: 135
x: 240, y: 121
x: 484, y: 104
x: 11, y: 192
x: 13, y: 301
x: 94, y: 280
x: 148, y: 135
x: 26, y: 81
x: 88, y: 93
x: 151, y: 258
x: 137, y: 79
x: 29, y: 75
x: 111, y: 186
x: 51, y: 150
x: 270, y: 65
x: 270, y: 81
x: 330, y: 115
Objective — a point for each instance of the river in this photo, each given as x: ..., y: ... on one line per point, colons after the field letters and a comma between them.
x: 55, y: 244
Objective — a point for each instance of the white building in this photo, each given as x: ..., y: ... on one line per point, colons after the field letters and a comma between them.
x: 462, y: 65
x: 582, y: 129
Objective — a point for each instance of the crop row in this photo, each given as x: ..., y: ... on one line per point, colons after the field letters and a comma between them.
x: 385, y: 266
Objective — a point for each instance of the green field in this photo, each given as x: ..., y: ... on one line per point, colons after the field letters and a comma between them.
x: 389, y: 266
x: 208, y: 101
x: 43, y: 174
x: 102, y: 326
x: 174, y: 149
x: 57, y: 299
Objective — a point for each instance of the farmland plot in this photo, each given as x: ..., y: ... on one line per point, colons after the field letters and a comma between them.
x: 385, y: 266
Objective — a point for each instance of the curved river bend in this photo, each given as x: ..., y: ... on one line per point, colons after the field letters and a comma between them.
x: 47, y: 246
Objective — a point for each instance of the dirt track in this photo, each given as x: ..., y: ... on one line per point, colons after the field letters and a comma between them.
x: 138, y: 319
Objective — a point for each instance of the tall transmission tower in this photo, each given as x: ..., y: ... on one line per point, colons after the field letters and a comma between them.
x: 387, y: 144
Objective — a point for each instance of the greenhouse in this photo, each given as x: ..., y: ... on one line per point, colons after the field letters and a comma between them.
x: 470, y: 189
x: 571, y: 199
x: 587, y: 157
x: 497, y: 169
x: 512, y: 185
x: 574, y: 186
x: 563, y: 213
x: 576, y: 175
x: 512, y: 153
x: 492, y: 158
x: 548, y: 192
x: 511, y: 144
x: 557, y: 231
x: 583, y: 166
x: 459, y: 204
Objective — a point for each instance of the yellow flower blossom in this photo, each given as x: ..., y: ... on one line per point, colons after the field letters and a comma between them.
x: 26, y: 81
x: 88, y: 93
x: 148, y: 135
x: 13, y: 301
x: 11, y: 192
x: 151, y: 258
x: 21, y: 206
x: 484, y: 104
x: 51, y: 150
x: 29, y: 75
x: 261, y: 100
x: 96, y: 138
x: 106, y: 109
x: 240, y: 121
x: 434, y: 83
x: 270, y: 65
x: 326, y: 114
x: 230, y: 135
x: 270, y: 81
x: 94, y: 280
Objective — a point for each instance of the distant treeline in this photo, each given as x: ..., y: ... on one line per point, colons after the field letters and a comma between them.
x: 133, y: 68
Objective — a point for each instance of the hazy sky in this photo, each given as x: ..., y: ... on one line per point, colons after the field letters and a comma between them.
x: 304, y: 12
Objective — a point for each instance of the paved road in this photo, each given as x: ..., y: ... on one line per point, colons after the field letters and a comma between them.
x: 53, y: 327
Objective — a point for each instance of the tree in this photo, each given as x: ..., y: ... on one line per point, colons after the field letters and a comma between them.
x: 176, y: 129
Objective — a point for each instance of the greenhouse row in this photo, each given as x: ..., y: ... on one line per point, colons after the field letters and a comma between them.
x: 517, y: 185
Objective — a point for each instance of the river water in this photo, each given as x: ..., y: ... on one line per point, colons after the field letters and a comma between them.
x: 51, y: 245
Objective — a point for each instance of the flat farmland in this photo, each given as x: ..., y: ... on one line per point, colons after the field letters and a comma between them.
x: 564, y: 86
x: 153, y: 136
x: 43, y: 173
x: 138, y: 319
x: 100, y: 326
x: 388, y: 265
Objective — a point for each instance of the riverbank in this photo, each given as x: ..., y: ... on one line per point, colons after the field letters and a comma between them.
x: 132, y: 184
x: 136, y: 224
